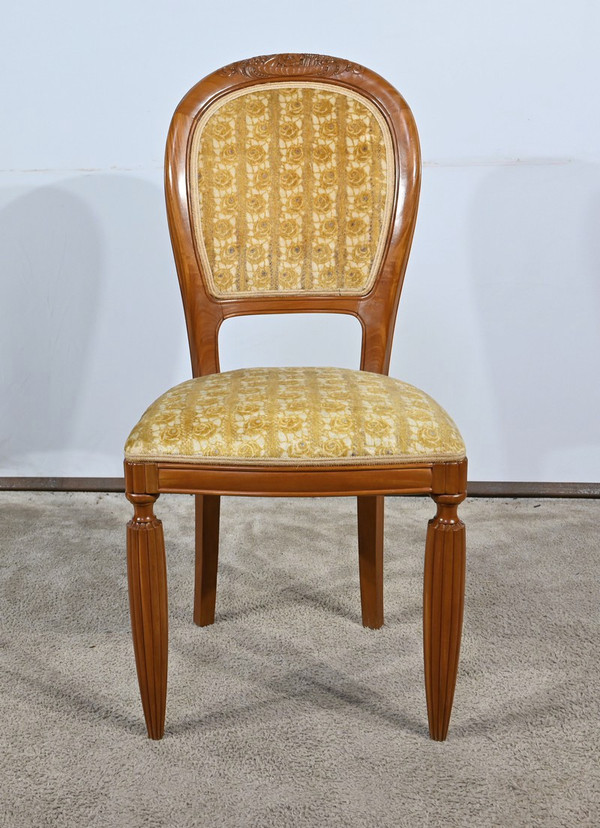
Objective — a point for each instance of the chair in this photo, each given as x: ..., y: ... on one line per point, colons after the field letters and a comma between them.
x: 292, y: 184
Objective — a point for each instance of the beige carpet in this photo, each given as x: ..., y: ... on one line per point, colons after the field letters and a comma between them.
x: 287, y: 712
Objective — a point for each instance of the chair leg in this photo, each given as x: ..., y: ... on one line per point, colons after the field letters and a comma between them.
x: 370, y: 559
x: 147, y: 575
x: 443, y: 601
x: 208, y: 508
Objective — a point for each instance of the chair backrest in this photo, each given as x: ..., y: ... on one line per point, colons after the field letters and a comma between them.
x: 292, y: 185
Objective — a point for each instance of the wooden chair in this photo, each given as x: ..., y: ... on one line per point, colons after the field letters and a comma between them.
x: 292, y: 185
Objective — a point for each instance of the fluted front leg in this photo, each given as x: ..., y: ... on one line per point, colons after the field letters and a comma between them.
x: 443, y: 601
x: 147, y: 574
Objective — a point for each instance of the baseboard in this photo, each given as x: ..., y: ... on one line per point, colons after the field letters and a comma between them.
x: 476, y: 488
x: 62, y: 484
x: 495, y: 488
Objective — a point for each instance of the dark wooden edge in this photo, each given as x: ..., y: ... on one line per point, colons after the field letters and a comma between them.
x: 495, y: 488
x: 287, y: 480
x: 62, y: 484
x: 476, y: 488
x: 293, y: 481
x: 273, y: 482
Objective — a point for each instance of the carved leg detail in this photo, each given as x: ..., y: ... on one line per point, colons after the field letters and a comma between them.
x: 443, y: 601
x: 208, y: 508
x: 370, y: 558
x: 147, y: 574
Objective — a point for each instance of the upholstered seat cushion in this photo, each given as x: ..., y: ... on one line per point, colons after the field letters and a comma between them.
x: 295, y: 416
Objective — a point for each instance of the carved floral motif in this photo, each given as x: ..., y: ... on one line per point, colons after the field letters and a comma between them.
x: 268, y: 66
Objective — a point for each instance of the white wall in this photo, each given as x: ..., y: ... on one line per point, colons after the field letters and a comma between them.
x: 500, y: 318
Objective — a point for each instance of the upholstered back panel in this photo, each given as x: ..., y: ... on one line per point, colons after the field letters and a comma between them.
x: 291, y: 187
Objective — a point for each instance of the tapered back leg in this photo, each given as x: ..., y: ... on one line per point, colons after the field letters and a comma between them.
x: 208, y: 509
x: 370, y: 558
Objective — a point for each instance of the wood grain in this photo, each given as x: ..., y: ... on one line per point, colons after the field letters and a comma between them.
x: 443, y: 601
x: 147, y: 576
x: 208, y: 509
x: 290, y: 481
x: 376, y: 311
x: 370, y: 559
x: 284, y: 65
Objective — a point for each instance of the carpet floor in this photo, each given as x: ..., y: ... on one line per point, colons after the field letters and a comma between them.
x: 286, y: 712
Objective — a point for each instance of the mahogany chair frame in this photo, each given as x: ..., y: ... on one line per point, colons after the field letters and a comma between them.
x: 376, y: 311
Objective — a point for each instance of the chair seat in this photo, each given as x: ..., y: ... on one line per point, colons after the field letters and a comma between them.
x: 295, y: 416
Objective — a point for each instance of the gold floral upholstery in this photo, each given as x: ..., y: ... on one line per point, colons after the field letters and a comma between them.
x: 295, y: 416
x: 291, y: 191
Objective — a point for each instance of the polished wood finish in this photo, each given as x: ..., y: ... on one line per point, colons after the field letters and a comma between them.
x: 443, y: 600
x: 370, y: 559
x: 295, y: 481
x: 295, y: 65
x: 290, y: 481
x: 208, y: 509
x: 376, y: 311
x: 147, y: 575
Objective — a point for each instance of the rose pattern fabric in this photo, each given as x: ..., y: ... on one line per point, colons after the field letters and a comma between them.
x: 291, y: 190
x: 295, y: 416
